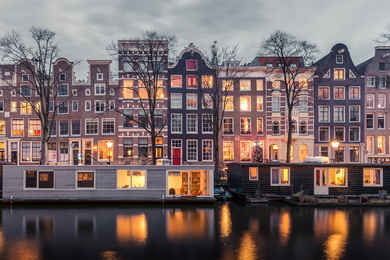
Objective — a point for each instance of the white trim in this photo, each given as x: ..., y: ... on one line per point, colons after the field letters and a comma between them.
x: 86, y: 188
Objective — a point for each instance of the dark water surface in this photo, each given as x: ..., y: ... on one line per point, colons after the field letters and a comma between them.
x: 232, y: 230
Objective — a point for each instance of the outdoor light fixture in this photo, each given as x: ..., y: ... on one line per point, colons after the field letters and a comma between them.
x: 335, y: 144
x: 109, y: 146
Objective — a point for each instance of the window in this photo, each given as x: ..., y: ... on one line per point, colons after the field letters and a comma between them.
x: 62, y: 90
x: 108, y: 125
x: 143, y: 119
x: 207, y: 150
x: 128, y: 64
x: 228, y: 126
x: 245, y: 103
x: 100, y: 106
x: 354, y: 134
x: 111, y: 105
x: 91, y: 126
x: 51, y: 106
x: 275, y: 83
x: 338, y: 92
x: 207, y: 122
x: 87, y: 105
x: 17, y: 127
x: 275, y: 104
x: 294, y: 126
x: 228, y: 151
x: 303, y: 104
x: 339, y: 134
x: 381, y: 82
x: 324, y: 151
x: 275, y: 128
x: 192, y: 123
x: 31, y: 151
x: 293, y: 65
x: 303, y: 127
x: 381, y: 100
x: 176, y: 81
x: 25, y: 90
x: 100, y: 89
x: 354, y: 93
x: 259, y: 103
x: 25, y: 77
x: 34, y: 128
x: 259, y: 84
x: 354, y: 114
x: 75, y: 105
x: 99, y: 76
x: 269, y: 65
x: 253, y: 174
x: 259, y: 126
x: 26, y: 108
x: 339, y: 154
x: 370, y: 102
x: 303, y: 82
x: 370, y: 121
x: 128, y: 147
x: 2, y: 127
x: 53, y: 127
x: 207, y: 81
x: 228, y: 102
x: 245, y: 151
x: 52, y: 152
x: 176, y: 100
x: 64, y: 151
x: 245, y: 126
x: 142, y: 90
x: 39, y: 179
x: 324, y: 134
x: 207, y: 101
x: 370, y: 144
x: 323, y: 113
x: 160, y: 89
x: 302, y: 152
x: 370, y: 82
x: 382, y: 66
x: 142, y: 64
x: 133, y: 179
x: 63, y: 107
x: 143, y: 147
x: 85, y: 179
x: 381, y: 121
x: 245, y: 85
x: 339, y: 114
x: 280, y: 176
x: 128, y: 118
x: 192, y: 150
x: 339, y: 74
x: 354, y: 154
x: 192, y: 101
x: 62, y: 77
x: 64, y: 127
x: 381, y: 144
x: 176, y: 123
x: 323, y: 93
x: 373, y: 177
x: 1, y: 106
x: 104, y: 152
x: 337, y: 177
x: 128, y: 89
x: 14, y: 106
x: 192, y: 65
x: 76, y: 124
x: 227, y: 85
x: 339, y: 59
x: 191, y: 82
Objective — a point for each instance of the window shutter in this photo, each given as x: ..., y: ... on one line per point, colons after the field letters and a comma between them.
x: 387, y: 84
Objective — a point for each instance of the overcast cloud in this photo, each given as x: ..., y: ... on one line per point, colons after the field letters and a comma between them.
x: 85, y: 27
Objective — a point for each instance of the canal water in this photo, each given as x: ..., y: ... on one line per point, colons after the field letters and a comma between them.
x: 232, y: 230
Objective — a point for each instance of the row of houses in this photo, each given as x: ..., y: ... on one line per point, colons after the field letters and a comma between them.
x: 96, y: 121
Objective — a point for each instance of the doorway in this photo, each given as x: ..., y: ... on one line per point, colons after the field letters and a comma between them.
x: 320, y: 179
x: 176, y: 156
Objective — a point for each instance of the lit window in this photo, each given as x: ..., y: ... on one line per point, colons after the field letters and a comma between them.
x: 339, y: 74
x: 227, y: 126
x: 245, y: 126
x: 354, y: 93
x: 105, y: 153
x: 337, y: 177
x: 128, y: 147
x: 207, y: 81
x: 17, y: 127
x: 176, y: 81
x: 280, y: 176
x: 259, y: 103
x: 245, y: 103
x: 192, y: 101
x: 207, y: 151
x: 14, y: 106
x: 253, y: 174
x: 370, y: 144
x: 275, y: 83
x: 381, y: 100
x: 26, y: 107
x: 39, y: 179
x: 370, y: 102
x: 191, y: 81
x: 142, y: 90
x: 160, y: 89
x: 245, y: 151
x: 259, y: 84
x: 34, y: 128
x: 381, y: 144
x: 2, y: 128
x: 127, y: 89
x: 259, y: 126
x: 228, y: 102
x: 373, y: 177
x: 323, y: 93
x: 302, y: 152
x: 228, y: 151
x: 227, y: 85
x: 245, y: 85
x: 339, y: 93
x: 85, y: 179
x: 303, y: 82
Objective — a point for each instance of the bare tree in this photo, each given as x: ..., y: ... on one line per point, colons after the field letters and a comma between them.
x: 33, y: 65
x: 384, y: 37
x: 293, y: 57
x: 225, y: 70
x: 146, y: 60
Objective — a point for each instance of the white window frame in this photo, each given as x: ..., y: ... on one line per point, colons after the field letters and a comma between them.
x: 319, y: 133
x: 196, y: 101
x: 177, y: 99
x: 211, y: 150
x: 88, y: 102
x: 196, y: 124
x: 319, y: 114
x: 334, y: 73
x: 181, y: 81
x: 372, y: 79
x: 99, y: 74
x: 334, y: 94
x: 350, y: 107
x: 382, y: 95
x: 87, y: 188
x: 334, y: 114
x: 77, y: 105
x: 372, y: 173
x: 262, y: 103
x: 100, y: 87
x: 67, y: 90
x: 323, y: 87
x: 100, y: 102
x: 279, y: 176
x: 349, y: 94
x: 196, y: 152
x: 223, y: 123
x: 373, y: 100
x: 91, y: 120
x: 249, y: 105
x: 257, y: 174
x: 181, y: 123
x: 108, y: 119
x: 246, y: 88
x: 262, y: 85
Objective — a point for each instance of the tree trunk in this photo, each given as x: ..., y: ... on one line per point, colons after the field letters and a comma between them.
x: 43, y: 152
x: 289, y: 136
x: 216, y: 154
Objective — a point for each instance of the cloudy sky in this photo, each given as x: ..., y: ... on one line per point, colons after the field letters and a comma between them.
x: 85, y: 27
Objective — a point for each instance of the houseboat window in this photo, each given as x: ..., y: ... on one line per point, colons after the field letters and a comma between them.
x: 280, y: 176
x: 138, y: 179
x: 133, y: 179
x: 31, y: 179
x: 337, y: 177
x: 123, y: 181
x: 177, y: 183
x: 373, y: 177
x: 195, y: 183
x: 253, y: 175
x: 46, y: 180
x: 85, y: 180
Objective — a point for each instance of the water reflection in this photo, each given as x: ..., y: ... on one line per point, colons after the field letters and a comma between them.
x: 284, y: 228
x: 247, y: 247
x: 225, y: 221
x: 132, y: 228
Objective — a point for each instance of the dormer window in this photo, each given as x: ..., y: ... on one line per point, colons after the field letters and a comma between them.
x: 192, y: 65
x: 339, y: 59
x: 269, y: 65
x: 100, y: 76
x: 382, y: 66
x: 62, y: 77
x: 24, y: 77
x: 293, y: 65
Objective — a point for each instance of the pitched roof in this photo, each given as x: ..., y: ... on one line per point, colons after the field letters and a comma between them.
x: 320, y: 64
x: 362, y: 67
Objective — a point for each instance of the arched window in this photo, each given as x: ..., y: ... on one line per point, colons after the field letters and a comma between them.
x: 303, y: 127
x: 275, y: 83
x: 294, y: 126
x: 275, y: 128
x: 303, y: 152
x: 303, y: 82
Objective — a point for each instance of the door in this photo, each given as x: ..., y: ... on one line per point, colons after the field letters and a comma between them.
x: 320, y: 182
x: 75, y: 157
x: 176, y: 156
x: 87, y: 155
x: 14, y: 156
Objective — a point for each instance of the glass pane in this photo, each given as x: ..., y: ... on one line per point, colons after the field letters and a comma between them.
x: 138, y: 179
x: 318, y: 178
x: 323, y: 177
x: 275, y: 179
x: 123, y: 179
x: 367, y: 177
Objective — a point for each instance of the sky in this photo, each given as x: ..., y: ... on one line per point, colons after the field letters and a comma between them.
x: 85, y: 27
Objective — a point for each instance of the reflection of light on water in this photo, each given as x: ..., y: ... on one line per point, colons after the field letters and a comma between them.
x: 247, y: 248
x: 369, y: 226
x: 335, y: 246
x: 284, y: 228
x: 24, y: 249
x: 109, y: 255
x: 132, y: 228
x: 188, y: 224
x: 1, y: 240
x: 225, y: 221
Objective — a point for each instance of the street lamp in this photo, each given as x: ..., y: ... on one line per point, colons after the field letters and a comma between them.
x: 109, y: 146
x: 335, y: 144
